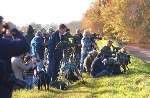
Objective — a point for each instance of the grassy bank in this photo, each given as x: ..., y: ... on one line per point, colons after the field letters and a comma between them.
x: 134, y: 84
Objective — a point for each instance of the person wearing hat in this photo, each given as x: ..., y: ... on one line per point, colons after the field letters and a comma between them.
x: 106, y: 50
x: 9, y: 48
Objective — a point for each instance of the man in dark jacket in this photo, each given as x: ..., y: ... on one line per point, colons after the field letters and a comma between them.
x: 98, y: 68
x: 106, y: 50
x: 77, y: 41
x: 30, y: 34
x: 55, y: 54
x: 9, y: 48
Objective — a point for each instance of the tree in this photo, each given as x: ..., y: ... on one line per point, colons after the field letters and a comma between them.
x: 92, y: 17
x: 123, y: 20
x: 36, y: 27
x: 73, y: 26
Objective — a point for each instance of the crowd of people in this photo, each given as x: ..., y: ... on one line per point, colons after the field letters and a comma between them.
x: 23, y: 59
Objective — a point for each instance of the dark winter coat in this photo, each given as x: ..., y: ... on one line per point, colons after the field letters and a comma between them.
x: 8, y: 49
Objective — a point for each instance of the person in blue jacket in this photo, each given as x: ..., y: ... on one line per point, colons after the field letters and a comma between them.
x: 55, y: 54
x: 37, y: 46
x: 8, y: 49
x: 88, y: 44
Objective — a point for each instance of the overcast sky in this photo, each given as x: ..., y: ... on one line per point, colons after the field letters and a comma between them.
x: 23, y: 12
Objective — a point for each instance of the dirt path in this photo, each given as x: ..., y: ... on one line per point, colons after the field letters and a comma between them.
x: 144, y: 54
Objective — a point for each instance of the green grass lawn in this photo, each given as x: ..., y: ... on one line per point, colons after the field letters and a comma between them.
x: 134, y: 84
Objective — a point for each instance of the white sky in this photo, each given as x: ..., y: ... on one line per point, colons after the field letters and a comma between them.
x: 23, y: 12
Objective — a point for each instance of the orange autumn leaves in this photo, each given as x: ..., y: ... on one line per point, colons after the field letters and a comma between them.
x: 123, y: 20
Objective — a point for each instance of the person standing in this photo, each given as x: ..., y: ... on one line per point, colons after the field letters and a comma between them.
x: 18, y: 46
x: 77, y: 41
x: 88, y: 44
x: 30, y: 34
x: 37, y: 46
x: 55, y: 55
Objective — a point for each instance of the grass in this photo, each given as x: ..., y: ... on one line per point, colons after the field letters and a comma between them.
x: 134, y: 84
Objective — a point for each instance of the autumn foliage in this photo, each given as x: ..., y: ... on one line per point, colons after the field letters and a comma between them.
x: 122, y: 20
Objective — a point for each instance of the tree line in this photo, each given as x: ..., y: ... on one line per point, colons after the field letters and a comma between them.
x: 126, y: 21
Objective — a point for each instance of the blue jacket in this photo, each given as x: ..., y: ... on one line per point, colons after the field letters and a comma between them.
x: 87, y: 44
x: 37, y: 47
